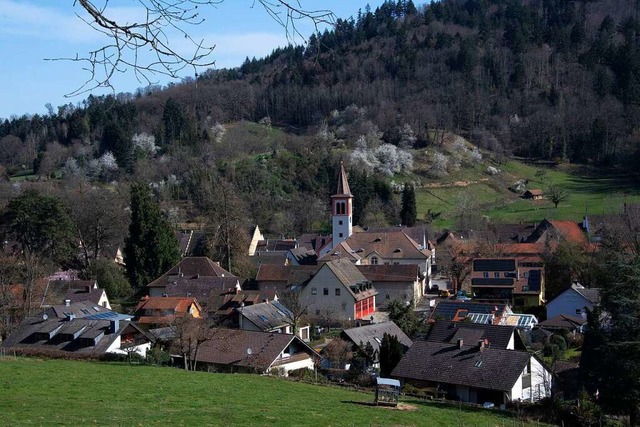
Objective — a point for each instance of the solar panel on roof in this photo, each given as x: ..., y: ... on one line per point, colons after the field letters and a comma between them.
x: 494, y: 264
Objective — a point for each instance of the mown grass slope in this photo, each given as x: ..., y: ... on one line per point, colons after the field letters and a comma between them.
x: 594, y: 190
x: 56, y: 392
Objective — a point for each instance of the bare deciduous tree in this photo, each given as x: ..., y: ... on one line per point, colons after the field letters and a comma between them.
x: 161, y: 23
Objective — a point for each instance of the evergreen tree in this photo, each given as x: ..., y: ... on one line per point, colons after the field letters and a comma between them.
x: 611, y: 352
x: 390, y: 354
x: 151, y: 247
x: 409, y: 212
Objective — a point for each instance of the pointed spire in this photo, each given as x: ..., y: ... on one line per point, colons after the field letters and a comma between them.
x: 343, y: 184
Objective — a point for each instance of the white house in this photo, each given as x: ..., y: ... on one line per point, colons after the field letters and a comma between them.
x: 475, y: 372
x: 340, y: 292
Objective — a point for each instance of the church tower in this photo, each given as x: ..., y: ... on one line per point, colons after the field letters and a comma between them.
x: 342, y: 210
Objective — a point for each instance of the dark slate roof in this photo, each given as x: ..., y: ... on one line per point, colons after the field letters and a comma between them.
x: 373, y: 334
x: 304, y: 256
x: 497, y: 335
x: 497, y: 264
x: 563, y: 321
x: 267, y: 315
x: 492, y: 368
x: 80, y: 335
x: 592, y: 295
x: 229, y: 347
x: 78, y: 309
x: 454, y: 310
x: 57, y: 291
x: 191, y: 268
x: 348, y: 274
x: 202, y: 288
x: 313, y: 241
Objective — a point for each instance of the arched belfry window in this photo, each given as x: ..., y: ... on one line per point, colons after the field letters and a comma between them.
x: 341, y: 208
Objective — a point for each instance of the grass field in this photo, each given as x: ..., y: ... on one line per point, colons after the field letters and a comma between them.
x: 55, y: 392
x: 598, y: 191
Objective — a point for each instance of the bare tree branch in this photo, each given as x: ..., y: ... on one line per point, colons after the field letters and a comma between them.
x: 130, y: 44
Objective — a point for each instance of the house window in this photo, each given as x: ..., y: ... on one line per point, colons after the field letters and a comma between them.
x: 317, y: 312
x: 388, y: 296
x: 340, y: 235
x: 485, y: 275
x: 496, y: 275
x: 396, y: 263
x: 374, y: 260
x: 337, y: 292
x: 340, y: 222
x: 579, y: 312
x: 314, y: 291
x: 325, y: 291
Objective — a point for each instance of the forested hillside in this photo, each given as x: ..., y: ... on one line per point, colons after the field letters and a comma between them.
x: 385, y: 91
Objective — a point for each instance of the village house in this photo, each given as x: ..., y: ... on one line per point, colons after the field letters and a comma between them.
x: 188, y: 270
x: 475, y: 372
x: 395, y: 282
x: 504, y: 279
x: 58, y: 291
x: 154, y: 311
x: 236, y: 350
x: 483, y: 313
x: 496, y: 336
x: 558, y: 231
x: 340, y: 292
x: 82, y: 328
x: 373, y: 334
x: 574, y: 301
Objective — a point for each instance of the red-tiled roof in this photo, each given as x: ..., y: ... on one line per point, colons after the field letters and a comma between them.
x: 570, y: 231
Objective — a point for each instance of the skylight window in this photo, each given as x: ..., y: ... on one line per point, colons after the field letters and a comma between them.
x: 478, y: 363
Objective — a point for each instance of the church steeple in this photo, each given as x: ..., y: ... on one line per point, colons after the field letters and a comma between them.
x: 343, y: 184
x: 342, y: 209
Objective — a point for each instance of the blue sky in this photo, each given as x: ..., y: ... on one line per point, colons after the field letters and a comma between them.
x: 32, y: 30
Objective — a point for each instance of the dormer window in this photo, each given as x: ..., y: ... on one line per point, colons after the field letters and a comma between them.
x: 374, y: 260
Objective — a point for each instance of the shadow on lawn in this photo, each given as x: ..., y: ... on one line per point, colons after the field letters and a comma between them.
x: 594, y: 180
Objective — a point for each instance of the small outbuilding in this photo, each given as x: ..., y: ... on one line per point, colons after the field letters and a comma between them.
x: 387, y: 391
x: 533, y: 194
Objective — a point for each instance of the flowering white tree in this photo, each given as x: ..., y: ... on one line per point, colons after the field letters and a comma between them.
x: 145, y: 143
x: 71, y: 167
x: 386, y: 158
x: 217, y: 132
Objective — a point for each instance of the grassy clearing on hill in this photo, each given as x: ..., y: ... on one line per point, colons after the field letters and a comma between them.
x: 598, y: 191
x: 52, y: 392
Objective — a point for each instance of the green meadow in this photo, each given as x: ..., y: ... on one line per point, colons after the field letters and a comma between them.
x: 73, y: 393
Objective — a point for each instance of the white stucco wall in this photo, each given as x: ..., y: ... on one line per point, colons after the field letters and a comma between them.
x: 341, y: 307
x: 541, y: 384
x: 140, y: 349
x: 402, y: 291
x: 306, y: 363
